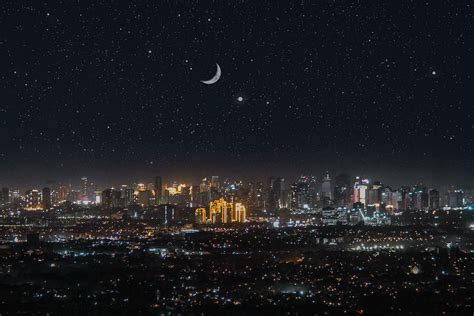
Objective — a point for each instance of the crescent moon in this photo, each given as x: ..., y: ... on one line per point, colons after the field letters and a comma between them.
x: 215, y: 78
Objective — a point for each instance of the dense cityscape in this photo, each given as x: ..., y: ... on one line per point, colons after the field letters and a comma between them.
x: 313, y: 244
x: 236, y: 157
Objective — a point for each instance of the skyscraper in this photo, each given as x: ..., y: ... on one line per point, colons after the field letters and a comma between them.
x: 326, y: 195
x: 360, y: 191
x: 434, y: 199
x: 342, y: 190
x: 275, y: 194
x: 158, y: 190
x: 46, y: 193
x: 326, y: 187
x: 111, y: 198
x: 84, y: 189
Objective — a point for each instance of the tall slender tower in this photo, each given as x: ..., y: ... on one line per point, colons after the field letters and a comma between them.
x: 158, y: 190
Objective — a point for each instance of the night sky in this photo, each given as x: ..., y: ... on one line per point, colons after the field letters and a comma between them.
x: 113, y: 90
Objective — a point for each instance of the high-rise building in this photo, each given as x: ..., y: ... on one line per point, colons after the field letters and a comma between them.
x: 240, y: 213
x: 127, y: 195
x: 111, y: 198
x: 145, y: 198
x: 326, y: 187
x: 158, y: 190
x: 200, y: 215
x: 224, y: 212
x: 84, y: 190
x: 195, y: 195
x: 220, y: 211
x: 275, y: 196
x: 33, y: 199
x: 434, y: 199
x: 46, y: 197
x: 360, y: 191
x: 342, y: 191
x: 454, y: 198
x: 204, y: 192
x: 304, y: 193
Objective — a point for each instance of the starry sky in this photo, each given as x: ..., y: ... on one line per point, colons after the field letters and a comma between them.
x: 113, y: 89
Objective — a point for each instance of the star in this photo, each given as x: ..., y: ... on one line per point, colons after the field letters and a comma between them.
x: 240, y: 99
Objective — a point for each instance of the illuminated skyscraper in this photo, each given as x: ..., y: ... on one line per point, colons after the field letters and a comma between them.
x: 240, y: 213
x: 33, y: 199
x: 304, y: 193
x: 360, y: 191
x: 84, y: 189
x: 200, y: 215
x: 222, y: 211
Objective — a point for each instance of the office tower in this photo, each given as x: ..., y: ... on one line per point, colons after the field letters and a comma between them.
x: 406, y: 198
x: 158, y: 190
x: 33, y: 199
x: 84, y: 195
x: 215, y: 188
x: 204, y: 192
x: 434, y: 199
x: 420, y: 199
x: 5, y: 196
x: 304, y: 193
x: 454, y: 198
x: 127, y: 195
x: 326, y: 187
x: 360, y: 191
x: 111, y: 198
x: 275, y: 193
x: 342, y: 190
x: 145, y: 198
x: 195, y: 195
x: 185, y: 196
x: 46, y: 196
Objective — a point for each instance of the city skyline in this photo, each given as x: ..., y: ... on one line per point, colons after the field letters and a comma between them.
x: 236, y: 157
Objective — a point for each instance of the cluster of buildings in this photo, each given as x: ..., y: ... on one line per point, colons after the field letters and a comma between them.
x: 342, y: 200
